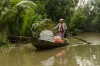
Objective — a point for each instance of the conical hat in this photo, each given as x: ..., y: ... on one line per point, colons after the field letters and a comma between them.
x: 61, y: 20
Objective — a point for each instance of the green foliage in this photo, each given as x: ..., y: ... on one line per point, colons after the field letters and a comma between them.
x: 37, y: 27
x: 3, y: 39
x: 90, y: 10
x: 3, y: 43
x: 25, y: 17
x: 78, y: 21
x: 40, y: 9
x: 27, y: 23
x: 57, y: 9
x: 8, y: 14
x: 17, y: 16
x: 96, y: 23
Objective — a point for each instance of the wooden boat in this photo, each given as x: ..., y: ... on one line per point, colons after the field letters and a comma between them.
x: 41, y: 44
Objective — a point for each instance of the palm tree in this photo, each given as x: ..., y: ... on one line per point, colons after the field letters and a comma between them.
x: 14, y: 16
x: 25, y: 10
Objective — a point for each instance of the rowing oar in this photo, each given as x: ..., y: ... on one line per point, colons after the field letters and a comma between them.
x: 81, y: 39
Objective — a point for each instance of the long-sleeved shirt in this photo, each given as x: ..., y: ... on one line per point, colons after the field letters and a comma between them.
x: 59, y: 26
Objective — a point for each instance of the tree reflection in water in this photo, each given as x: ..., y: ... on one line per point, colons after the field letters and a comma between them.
x: 81, y: 55
x: 57, y: 60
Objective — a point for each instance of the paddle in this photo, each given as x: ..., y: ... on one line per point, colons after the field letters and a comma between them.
x: 74, y: 36
x: 81, y: 39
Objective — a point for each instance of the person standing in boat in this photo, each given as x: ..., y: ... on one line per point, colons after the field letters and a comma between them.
x: 61, y: 27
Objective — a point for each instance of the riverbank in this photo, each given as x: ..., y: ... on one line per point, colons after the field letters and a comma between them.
x: 88, y: 36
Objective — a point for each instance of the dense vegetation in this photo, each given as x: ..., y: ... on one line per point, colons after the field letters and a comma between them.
x: 17, y: 16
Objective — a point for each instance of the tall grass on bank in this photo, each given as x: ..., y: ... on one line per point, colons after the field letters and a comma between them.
x: 3, y: 39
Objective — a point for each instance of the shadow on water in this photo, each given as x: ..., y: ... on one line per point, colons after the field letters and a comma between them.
x: 76, y: 54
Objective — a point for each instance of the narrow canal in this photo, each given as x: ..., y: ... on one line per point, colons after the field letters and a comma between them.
x: 77, y: 53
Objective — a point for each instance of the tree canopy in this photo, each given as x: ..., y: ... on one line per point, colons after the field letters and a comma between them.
x: 17, y: 16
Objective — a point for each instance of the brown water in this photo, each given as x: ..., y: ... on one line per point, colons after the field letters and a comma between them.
x: 78, y: 53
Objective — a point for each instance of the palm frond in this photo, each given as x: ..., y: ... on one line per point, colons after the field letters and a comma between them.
x: 26, y: 4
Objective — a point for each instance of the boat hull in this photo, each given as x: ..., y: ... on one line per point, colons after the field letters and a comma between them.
x: 41, y: 44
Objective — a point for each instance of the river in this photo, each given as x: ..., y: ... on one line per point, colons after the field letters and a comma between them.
x: 77, y: 53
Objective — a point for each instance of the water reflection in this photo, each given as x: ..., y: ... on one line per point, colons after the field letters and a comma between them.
x: 77, y: 53
x: 58, y: 58
x: 81, y: 55
x: 61, y: 59
x: 75, y: 56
